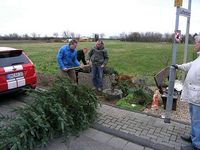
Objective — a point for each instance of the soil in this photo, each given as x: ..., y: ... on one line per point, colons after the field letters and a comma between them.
x: 181, y: 113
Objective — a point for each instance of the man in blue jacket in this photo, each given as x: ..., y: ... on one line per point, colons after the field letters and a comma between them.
x: 67, y: 59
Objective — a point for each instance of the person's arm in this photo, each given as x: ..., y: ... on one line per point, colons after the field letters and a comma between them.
x: 106, y: 58
x: 89, y: 56
x: 185, y: 66
x: 59, y: 58
x: 83, y: 59
x: 77, y: 62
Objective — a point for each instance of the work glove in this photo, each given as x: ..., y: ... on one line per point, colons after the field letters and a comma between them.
x: 175, y: 66
x: 102, y: 66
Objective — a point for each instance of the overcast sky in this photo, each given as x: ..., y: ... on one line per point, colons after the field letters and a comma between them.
x: 86, y: 17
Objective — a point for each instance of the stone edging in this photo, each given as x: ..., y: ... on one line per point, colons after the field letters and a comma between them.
x: 131, y: 138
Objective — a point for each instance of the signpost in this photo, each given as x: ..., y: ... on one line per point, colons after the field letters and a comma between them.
x: 186, y: 39
x: 186, y: 13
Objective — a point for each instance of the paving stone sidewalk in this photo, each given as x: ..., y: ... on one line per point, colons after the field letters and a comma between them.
x: 141, y: 129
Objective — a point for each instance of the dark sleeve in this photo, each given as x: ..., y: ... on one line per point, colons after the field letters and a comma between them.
x: 105, y: 54
x: 90, y: 54
x: 83, y: 59
x: 77, y: 63
x: 81, y: 56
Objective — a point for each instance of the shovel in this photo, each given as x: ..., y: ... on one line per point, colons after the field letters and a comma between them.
x: 77, y: 67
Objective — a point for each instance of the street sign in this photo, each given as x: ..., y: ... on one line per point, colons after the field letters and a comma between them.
x: 172, y: 72
x: 178, y: 36
x: 184, y: 12
x: 178, y: 3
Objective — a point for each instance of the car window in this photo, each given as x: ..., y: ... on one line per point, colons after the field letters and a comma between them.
x: 13, y: 58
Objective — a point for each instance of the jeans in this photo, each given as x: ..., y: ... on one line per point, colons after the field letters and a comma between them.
x: 97, y: 76
x: 195, y: 124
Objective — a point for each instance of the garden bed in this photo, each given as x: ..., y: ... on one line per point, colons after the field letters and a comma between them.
x: 181, y: 113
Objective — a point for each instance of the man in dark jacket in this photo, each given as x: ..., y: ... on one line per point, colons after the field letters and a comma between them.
x: 98, y: 57
x: 67, y: 59
x: 81, y: 54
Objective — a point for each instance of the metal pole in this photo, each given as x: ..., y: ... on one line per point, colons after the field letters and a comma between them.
x: 172, y: 74
x: 185, y: 59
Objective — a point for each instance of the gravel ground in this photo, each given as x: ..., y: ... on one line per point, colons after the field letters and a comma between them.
x: 181, y: 113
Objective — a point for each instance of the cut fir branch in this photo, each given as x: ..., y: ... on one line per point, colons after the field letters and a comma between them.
x: 65, y: 109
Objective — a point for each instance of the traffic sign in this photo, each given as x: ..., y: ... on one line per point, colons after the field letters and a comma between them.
x: 178, y: 36
x: 184, y: 12
x: 178, y: 3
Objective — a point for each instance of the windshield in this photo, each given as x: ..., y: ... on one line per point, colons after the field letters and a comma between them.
x: 12, y: 58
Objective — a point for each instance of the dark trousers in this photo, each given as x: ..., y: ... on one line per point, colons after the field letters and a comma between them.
x: 97, y: 76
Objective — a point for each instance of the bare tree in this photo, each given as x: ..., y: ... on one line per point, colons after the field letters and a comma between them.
x: 122, y: 35
x: 102, y: 35
x: 55, y: 34
x: 14, y: 36
x: 66, y: 34
x: 25, y: 36
x: 34, y: 35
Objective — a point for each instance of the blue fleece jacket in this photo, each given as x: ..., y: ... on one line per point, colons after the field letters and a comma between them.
x: 67, y: 58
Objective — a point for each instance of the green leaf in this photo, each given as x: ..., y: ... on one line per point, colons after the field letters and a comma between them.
x: 14, y: 147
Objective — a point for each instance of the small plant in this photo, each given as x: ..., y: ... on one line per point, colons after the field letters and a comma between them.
x: 124, y: 86
x: 136, y: 100
x: 109, y: 71
x: 137, y: 96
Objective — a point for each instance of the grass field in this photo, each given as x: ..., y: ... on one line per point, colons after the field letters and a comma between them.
x: 133, y: 58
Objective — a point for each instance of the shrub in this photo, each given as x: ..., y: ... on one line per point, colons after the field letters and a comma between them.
x: 109, y: 71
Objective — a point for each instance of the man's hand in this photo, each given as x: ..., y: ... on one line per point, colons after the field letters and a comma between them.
x: 87, y: 62
x: 175, y: 66
x: 65, y: 69
x: 102, y: 66
x: 81, y: 66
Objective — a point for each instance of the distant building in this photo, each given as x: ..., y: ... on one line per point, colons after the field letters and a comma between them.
x: 84, y: 39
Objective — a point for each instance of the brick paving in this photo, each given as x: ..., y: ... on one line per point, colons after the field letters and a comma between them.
x: 141, y: 128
